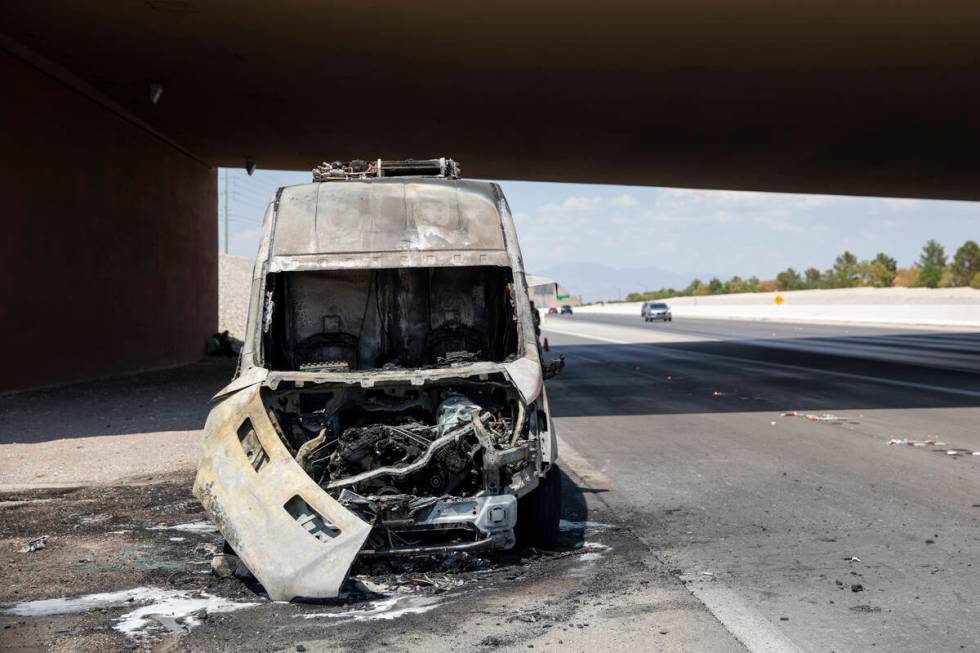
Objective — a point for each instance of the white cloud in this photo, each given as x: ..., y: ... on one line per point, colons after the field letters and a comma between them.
x: 900, y: 204
x: 720, y: 233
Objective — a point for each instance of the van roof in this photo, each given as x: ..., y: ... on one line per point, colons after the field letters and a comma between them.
x: 409, y: 221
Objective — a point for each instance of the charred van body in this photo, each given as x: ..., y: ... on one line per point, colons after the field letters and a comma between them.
x: 389, y: 398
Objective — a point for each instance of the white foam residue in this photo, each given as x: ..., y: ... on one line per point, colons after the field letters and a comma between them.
x: 178, y: 612
x: 566, y: 525
x: 192, y: 527
x: 174, y: 610
x: 593, y: 555
x: 385, y: 609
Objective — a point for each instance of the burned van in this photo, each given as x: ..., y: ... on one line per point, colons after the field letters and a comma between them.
x: 389, y: 398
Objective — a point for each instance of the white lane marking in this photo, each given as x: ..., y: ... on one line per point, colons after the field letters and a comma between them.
x: 756, y: 632
x: 579, y: 335
x: 753, y: 630
x: 786, y: 366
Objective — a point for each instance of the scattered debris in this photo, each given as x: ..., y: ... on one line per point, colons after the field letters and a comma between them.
x: 36, y: 544
x: 822, y: 417
x: 865, y: 608
x: 205, y: 550
x: 857, y: 587
x: 827, y: 417
x: 193, y: 527
x: 917, y: 443
x: 853, y: 559
x: 585, y: 551
x: 224, y: 565
x: 959, y: 452
x: 932, y: 442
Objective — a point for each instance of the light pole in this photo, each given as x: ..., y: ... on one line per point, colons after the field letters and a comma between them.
x: 226, y: 210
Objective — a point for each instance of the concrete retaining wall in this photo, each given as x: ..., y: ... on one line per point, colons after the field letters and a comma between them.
x: 109, y: 243
x: 958, y: 307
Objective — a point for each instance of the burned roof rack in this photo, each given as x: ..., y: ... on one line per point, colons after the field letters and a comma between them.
x: 361, y: 169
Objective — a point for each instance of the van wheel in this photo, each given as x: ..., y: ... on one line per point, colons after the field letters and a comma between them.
x: 538, y: 514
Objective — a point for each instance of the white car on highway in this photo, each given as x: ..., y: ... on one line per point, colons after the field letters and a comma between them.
x: 655, y: 311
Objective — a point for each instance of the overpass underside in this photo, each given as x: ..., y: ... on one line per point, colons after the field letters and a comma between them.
x: 111, y: 241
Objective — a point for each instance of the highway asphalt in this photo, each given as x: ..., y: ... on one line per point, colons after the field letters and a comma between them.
x: 812, y: 534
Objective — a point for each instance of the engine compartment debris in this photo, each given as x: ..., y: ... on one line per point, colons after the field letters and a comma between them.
x: 36, y: 544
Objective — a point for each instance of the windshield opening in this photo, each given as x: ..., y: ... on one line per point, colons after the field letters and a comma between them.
x: 342, y: 320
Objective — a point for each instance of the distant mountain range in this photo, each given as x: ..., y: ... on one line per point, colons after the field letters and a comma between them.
x: 596, y: 282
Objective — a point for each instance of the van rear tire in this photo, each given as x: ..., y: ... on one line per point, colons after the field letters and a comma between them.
x: 539, y: 514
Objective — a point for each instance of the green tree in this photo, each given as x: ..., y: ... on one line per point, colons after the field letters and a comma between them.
x: 847, y: 271
x: 812, y: 277
x: 932, y: 261
x: 966, y: 263
x: 887, y: 261
x: 692, y: 287
x: 874, y: 273
x: 789, y: 279
x: 715, y: 286
x: 736, y: 284
x: 879, y: 272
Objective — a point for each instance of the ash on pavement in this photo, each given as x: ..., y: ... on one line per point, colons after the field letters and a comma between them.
x: 128, y: 567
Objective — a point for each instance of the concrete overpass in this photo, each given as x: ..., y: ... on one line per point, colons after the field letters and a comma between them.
x: 111, y: 240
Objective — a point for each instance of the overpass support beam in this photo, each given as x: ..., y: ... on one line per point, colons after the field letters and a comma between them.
x: 109, y: 241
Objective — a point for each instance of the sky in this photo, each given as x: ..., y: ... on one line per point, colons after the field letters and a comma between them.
x: 689, y: 233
